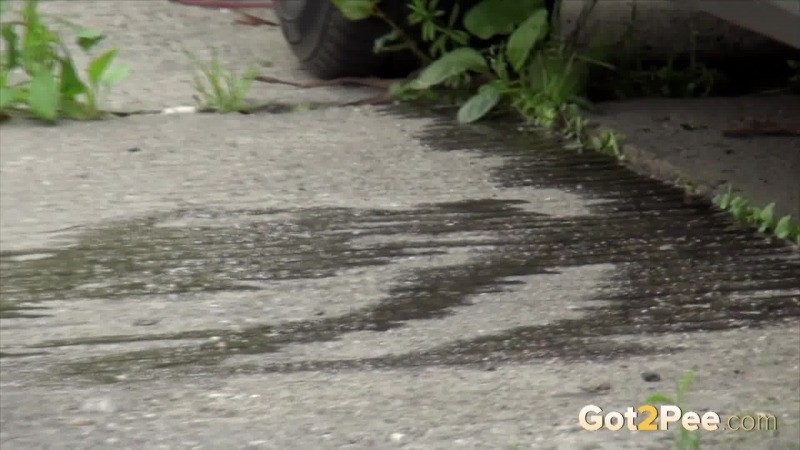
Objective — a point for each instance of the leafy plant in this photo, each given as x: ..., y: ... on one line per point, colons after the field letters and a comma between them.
x: 762, y: 218
x: 608, y: 142
x: 442, y: 37
x: 682, y: 76
x: 219, y: 88
x: 670, y: 80
x: 518, y: 62
x: 357, y: 9
x: 687, y: 440
x: 38, y: 74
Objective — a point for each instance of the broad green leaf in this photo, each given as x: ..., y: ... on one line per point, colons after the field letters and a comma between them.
x: 97, y: 68
x: 784, y: 227
x: 451, y: 64
x: 660, y: 398
x: 88, y: 38
x: 768, y: 213
x: 39, y: 44
x: 37, y: 52
x: 43, y: 96
x: 525, y: 37
x: 71, y: 84
x: 12, y: 47
x: 480, y: 104
x: 492, y: 17
x: 356, y: 9
x: 8, y: 96
x: 116, y: 74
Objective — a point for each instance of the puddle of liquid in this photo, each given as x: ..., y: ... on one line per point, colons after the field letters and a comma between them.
x: 680, y: 265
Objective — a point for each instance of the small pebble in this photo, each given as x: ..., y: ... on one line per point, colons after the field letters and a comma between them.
x: 651, y: 377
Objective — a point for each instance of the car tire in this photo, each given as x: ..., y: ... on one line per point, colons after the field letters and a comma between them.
x: 331, y: 46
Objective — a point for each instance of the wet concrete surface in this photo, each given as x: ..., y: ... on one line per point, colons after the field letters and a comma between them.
x: 492, y: 284
x: 355, y: 278
x: 680, y: 265
x: 682, y: 140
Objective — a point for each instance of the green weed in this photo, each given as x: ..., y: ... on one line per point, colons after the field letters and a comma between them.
x: 686, y: 440
x: 520, y: 64
x: 688, y: 78
x: 762, y: 218
x: 38, y: 74
x: 794, y: 78
x: 221, y: 89
x: 608, y: 142
x: 440, y: 36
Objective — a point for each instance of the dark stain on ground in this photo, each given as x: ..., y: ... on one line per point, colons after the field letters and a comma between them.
x: 681, y: 266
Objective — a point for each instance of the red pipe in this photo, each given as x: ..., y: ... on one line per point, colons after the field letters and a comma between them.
x: 228, y: 4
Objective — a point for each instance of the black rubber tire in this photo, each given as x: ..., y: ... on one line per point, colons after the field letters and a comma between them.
x: 330, y: 46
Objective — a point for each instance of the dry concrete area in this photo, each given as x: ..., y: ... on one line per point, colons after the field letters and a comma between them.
x: 683, y: 141
x: 342, y: 277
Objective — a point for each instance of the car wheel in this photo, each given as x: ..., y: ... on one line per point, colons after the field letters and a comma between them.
x: 330, y: 46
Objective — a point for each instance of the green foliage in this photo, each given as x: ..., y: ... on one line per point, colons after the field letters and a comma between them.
x: 38, y: 75
x: 488, y: 96
x: 499, y: 17
x: 682, y: 76
x: 442, y: 37
x: 762, y: 218
x: 608, y: 142
x: 524, y: 38
x: 687, y: 440
x: 356, y: 9
x: 541, y: 76
x: 219, y: 88
x: 43, y: 96
x: 670, y: 80
x: 450, y: 65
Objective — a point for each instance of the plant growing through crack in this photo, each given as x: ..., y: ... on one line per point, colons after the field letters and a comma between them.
x: 38, y: 75
x: 683, y: 74
x: 519, y: 61
x: 540, y: 77
x: 221, y: 89
x: 762, y: 218
x: 686, y: 440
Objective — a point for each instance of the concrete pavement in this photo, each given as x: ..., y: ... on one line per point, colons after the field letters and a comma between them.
x: 355, y: 277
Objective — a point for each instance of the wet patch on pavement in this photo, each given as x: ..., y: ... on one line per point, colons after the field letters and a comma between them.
x: 680, y: 266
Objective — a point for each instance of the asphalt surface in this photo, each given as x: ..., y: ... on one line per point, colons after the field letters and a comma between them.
x: 357, y: 277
